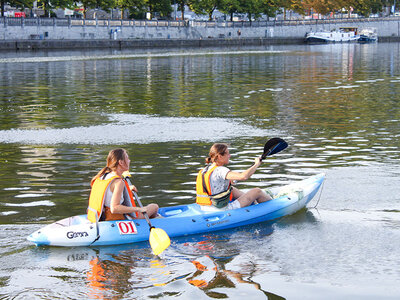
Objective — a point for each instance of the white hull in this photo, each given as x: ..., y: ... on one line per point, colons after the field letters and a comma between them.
x: 332, y: 37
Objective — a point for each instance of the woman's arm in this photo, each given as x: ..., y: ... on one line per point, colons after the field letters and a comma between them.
x: 116, y: 207
x: 245, y: 174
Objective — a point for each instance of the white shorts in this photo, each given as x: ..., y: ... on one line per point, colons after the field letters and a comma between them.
x: 231, y: 205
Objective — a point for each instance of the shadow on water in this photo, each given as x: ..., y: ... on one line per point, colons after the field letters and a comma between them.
x: 304, y: 216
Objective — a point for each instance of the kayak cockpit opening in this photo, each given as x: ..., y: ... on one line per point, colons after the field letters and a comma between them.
x: 75, y: 220
x: 180, y: 210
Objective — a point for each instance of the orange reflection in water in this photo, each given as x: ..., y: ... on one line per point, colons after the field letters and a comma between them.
x: 96, y: 277
x: 108, y: 279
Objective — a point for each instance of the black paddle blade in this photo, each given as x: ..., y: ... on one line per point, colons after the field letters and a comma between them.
x: 273, y: 146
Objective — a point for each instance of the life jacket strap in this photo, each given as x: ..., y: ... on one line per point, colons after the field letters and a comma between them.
x: 205, y: 190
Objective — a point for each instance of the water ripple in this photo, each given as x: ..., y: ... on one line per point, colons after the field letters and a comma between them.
x: 132, y: 56
x: 35, y: 203
x: 128, y: 128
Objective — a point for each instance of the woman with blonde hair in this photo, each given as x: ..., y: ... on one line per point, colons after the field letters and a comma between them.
x: 214, y: 183
x: 111, y: 196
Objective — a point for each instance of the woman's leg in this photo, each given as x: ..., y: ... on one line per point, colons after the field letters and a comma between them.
x: 255, y: 194
x: 237, y: 193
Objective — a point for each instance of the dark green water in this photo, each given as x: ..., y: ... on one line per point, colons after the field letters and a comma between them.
x: 338, y: 106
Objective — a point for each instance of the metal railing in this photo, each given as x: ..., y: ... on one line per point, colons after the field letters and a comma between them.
x: 9, y: 21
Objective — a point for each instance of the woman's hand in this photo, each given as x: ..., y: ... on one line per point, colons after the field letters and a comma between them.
x: 142, y: 209
x: 133, y: 188
x: 257, y: 161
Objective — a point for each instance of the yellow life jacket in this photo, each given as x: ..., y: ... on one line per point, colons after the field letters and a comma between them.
x: 203, y: 187
x: 96, y: 200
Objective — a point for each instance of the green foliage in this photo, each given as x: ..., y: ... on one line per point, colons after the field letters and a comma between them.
x: 163, y: 7
x: 47, y: 5
x: 253, y: 8
x: 105, y: 5
x: 205, y: 7
x: 21, y: 3
x: 137, y: 8
x: 230, y: 7
x: 270, y: 7
x: 366, y: 7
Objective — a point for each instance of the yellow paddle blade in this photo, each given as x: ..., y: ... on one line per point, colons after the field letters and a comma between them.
x: 159, y: 240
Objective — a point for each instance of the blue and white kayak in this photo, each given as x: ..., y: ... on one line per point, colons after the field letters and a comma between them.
x: 178, y: 220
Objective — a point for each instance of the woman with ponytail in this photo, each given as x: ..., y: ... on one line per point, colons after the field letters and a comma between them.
x: 117, y: 202
x: 214, y: 183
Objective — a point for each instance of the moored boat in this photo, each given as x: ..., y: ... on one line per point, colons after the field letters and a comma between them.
x: 178, y: 220
x: 344, y: 34
x: 368, y: 35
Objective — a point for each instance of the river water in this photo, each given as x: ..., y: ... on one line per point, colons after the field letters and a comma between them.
x: 336, y: 105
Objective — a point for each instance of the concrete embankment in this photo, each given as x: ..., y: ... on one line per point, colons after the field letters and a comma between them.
x: 79, y: 34
x: 142, y: 43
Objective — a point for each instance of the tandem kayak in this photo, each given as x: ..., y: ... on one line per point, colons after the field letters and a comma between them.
x: 180, y: 220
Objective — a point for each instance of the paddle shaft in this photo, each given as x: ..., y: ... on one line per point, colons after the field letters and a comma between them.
x: 140, y: 204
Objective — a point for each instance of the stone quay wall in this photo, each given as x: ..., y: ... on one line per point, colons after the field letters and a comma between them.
x: 21, y: 33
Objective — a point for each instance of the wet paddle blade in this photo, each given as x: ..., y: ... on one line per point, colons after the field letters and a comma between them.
x: 273, y: 146
x: 159, y: 240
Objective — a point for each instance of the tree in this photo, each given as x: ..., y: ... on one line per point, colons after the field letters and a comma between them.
x: 48, y: 5
x: 293, y: 5
x: 252, y: 8
x: 270, y: 7
x: 163, y: 7
x: 88, y: 4
x: 205, y: 7
x: 230, y: 7
x: 21, y: 4
x: 136, y: 8
x: 366, y: 7
x: 181, y: 7
x: 106, y: 5
x: 324, y: 7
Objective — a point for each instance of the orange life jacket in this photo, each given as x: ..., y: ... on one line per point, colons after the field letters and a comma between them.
x: 96, y: 200
x: 203, y: 186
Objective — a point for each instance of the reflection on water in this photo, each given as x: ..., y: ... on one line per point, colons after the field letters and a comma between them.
x: 336, y: 105
x: 131, y: 271
x: 305, y: 249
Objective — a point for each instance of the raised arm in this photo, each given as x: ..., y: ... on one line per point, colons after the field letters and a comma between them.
x: 245, y: 174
